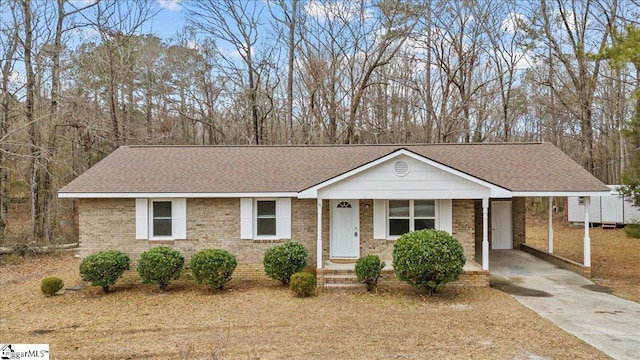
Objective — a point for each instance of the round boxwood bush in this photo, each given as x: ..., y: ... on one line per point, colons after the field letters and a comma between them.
x: 632, y: 230
x: 368, y: 270
x: 303, y: 284
x: 282, y: 261
x: 51, y: 285
x: 213, y: 267
x: 160, y: 265
x: 428, y: 259
x: 104, y: 268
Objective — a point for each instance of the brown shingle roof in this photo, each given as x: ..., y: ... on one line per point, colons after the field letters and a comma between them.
x: 522, y: 167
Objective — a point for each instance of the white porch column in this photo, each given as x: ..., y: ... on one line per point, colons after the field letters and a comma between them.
x: 485, y: 234
x: 587, y: 239
x: 320, y: 263
x: 550, y: 234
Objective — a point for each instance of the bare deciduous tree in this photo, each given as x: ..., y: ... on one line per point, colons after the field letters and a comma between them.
x: 235, y: 24
x: 567, y: 29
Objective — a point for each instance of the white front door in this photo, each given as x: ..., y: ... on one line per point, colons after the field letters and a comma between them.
x: 501, y: 225
x: 345, y: 230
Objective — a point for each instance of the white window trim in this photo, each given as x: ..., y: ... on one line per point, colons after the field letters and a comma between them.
x: 249, y: 218
x: 151, y: 237
x: 144, y: 219
x: 411, y: 216
x: 255, y: 220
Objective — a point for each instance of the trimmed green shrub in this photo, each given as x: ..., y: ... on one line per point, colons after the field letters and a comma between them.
x: 160, y: 265
x: 282, y: 261
x: 368, y: 270
x: 51, y: 285
x: 303, y: 284
x: 428, y: 259
x: 104, y: 268
x: 213, y: 267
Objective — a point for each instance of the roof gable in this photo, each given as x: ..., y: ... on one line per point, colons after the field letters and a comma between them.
x: 425, y: 179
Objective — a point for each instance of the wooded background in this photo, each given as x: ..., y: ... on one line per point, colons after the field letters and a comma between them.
x: 80, y: 79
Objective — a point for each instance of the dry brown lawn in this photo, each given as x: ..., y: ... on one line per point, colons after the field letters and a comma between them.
x: 264, y: 321
x: 615, y: 258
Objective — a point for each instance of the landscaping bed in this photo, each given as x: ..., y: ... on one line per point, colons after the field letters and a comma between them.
x: 265, y: 321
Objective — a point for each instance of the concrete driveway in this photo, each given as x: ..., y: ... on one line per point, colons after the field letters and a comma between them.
x: 572, y: 302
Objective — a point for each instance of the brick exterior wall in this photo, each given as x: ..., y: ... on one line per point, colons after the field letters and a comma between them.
x: 387, y: 280
x: 107, y: 224
x: 477, y: 210
x: 464, y: 226
x: 326, y: 229
x: 369, y: 245
x: 469, y: 278
x: 519, y: 222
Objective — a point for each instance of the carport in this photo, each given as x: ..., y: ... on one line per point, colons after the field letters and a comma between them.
x: 585, y: 202
x: 505, y: 223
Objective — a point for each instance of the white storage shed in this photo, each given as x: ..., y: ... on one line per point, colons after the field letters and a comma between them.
x: 612, y: 209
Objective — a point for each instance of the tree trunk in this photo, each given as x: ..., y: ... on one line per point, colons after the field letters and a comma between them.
x: 33, y: 130
x: 4, y: 128
x: 257, y: 124
x: 113, y: 100
x: 50, y: 213
x: 290, y: 68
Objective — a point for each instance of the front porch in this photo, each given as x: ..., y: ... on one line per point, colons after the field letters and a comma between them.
x: 364, y: 211
x: 341, y: 277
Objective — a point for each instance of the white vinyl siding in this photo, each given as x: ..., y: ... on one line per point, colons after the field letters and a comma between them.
x: 250, y: 215
x: 423, y: 181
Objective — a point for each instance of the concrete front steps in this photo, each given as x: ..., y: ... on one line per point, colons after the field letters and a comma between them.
x: 342, y: 278
x: 340, y: 281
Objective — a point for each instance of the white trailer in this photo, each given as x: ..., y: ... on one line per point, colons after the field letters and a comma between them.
x: 612, y: 209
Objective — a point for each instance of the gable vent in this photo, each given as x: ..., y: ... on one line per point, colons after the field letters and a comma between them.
x: 401, y: 168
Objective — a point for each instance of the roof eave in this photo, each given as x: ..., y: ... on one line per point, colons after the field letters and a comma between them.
x: 547, y: 193
x: 134, y: 195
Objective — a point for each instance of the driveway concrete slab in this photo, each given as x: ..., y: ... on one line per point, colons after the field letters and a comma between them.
x: 572, y: 302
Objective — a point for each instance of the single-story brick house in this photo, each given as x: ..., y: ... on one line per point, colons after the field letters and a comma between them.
x: 361, y: 197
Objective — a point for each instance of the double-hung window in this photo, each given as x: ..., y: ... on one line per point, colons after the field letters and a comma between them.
x: 162, y: 220
x: 410, y: 215
x: 266, y: 218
